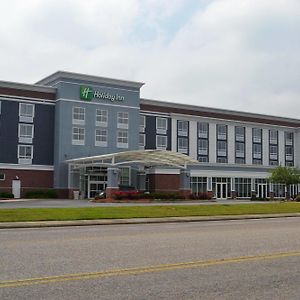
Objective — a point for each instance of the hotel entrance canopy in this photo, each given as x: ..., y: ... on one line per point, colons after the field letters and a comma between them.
x: 146, y: 158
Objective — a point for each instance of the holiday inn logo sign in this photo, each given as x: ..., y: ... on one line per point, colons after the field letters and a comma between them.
x: 87, y: 94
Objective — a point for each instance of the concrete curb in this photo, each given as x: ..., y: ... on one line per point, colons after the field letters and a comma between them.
x: 40, y: 224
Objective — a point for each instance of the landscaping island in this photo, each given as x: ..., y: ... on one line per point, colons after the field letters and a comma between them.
x: 128, y: 212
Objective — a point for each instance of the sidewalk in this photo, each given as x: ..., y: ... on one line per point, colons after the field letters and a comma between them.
x: 40, y: 224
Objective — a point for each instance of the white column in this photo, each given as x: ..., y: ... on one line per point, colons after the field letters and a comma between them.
x: 174, y: 134
x: 231, y: 144
x: 248, y: 145
x: 212, y: 143
x: 193, y: 139
x: 281, y: 147
x: 265, y: 147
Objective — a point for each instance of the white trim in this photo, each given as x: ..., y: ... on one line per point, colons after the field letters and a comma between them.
x: 95, y: 85
x: 235, y: 174
x: 161, y: 147
x: 155, y: 114
x: 4, y: 166
x: 97, y: 103
x: 25, y: 161
x: 161, y: 130
x: 164, y: 171
x: 27, y: 100
x: 2, y: 178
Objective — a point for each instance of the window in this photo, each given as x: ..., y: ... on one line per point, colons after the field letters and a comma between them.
x: 25, y: 133
x: 26, y: 112
x: 123, y: 120
x: 198, y: 185
x: 273, y: 137
x: 257, y: 151
x: 182, y: 128
x: 101, y: 137
x: 243, y: 187
x: 161, y: 142
x: 240, y: 134
x: 142, y: 141
x: 222, y: 148
x: 124, y: 176
x: 78, y: 116
x: 221, y: 132
x: 25, y: 154
x: 257, y: 133
x: 239, y: 149
x: 289, y: 137
x: 203, y: 130
x: 142, y: 123
x: 203, y: 147
x: 2, y: 176
x: 273, y: 152
x: 257, y: 146
x: 122, y: 139
x: 161, y: 125
x: 183, y: 145
x: 101, y: 117
x: 289, y: 149
x: 78, y: 136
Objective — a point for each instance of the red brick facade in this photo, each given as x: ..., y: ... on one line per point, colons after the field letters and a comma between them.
x: 30, y: 179
x: 164, y: 182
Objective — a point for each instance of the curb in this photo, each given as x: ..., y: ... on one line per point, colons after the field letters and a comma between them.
x: 42, y: 224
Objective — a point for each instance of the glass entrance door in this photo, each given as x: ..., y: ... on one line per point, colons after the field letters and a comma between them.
x: 221, y: 190
x: 262, y: 190
x: 95, y: 188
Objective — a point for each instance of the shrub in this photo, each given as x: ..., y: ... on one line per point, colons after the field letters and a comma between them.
x: 6, y: 195
x: 298, y: 198
x: 41, y: 194
x: 164, y: 196
x: 200, y: 196
x: 126, y: 195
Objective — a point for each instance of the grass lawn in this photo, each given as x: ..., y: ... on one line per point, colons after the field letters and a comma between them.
x: 58, y: 214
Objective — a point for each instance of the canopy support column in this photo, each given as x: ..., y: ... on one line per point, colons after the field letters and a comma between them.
x: 112, y: 181
x: 185, y: 188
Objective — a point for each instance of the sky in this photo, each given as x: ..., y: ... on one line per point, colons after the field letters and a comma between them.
x: 232, y: 54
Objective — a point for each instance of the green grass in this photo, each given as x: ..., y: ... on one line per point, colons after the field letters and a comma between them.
x: 51, y: 214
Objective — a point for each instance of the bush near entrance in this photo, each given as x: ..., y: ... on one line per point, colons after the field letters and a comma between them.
x: 285, y: 175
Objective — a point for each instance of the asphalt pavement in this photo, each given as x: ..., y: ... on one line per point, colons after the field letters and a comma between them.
x: 242, y: 259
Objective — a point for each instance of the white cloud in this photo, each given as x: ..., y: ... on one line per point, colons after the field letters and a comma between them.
x: 235, y: 54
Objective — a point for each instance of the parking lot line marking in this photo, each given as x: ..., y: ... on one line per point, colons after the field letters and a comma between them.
x: 143, y: 270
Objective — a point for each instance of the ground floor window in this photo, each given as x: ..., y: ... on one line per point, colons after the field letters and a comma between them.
x: 279, y: 190
x: 262, y: 188
x: 243, y: 187
x: 124, y: 176
x: 198, y: 185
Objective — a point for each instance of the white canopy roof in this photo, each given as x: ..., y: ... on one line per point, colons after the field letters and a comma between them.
x: 147, y: 158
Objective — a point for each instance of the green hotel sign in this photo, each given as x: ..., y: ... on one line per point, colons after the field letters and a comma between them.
x: 87, y: 94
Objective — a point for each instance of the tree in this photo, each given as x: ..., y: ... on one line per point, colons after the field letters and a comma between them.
x: 285, y: 175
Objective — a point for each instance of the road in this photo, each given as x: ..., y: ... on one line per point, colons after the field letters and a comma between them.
x: 250, y: 259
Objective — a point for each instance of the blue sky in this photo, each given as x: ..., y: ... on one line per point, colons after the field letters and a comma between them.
x: 234, y: 54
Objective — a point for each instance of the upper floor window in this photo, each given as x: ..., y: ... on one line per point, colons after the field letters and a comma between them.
x: 257, y: 134
x: 221, y: 148
x: 101, y: 117
x: 101, y: 137
x: 240, y: 134
x: 221, y: 132
x: 78, y: 116
x: 183, y: 145
x: 289, y: 137
x: 25, y: 133
x: 26, y: 112
x: 183, y: 128
x: 273, y: 137
x: 123, y: 120
x: 203, y: 130
x: 161, y: 142
x: 142, y: 123
x: 239, y: 149
x: 78, y: 136
x: 25, y: 154
x: 161, y: 125
x: 203, y: 147
x: 122, y: 139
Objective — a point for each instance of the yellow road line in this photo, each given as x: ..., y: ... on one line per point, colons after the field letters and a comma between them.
x: 142, y: 270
